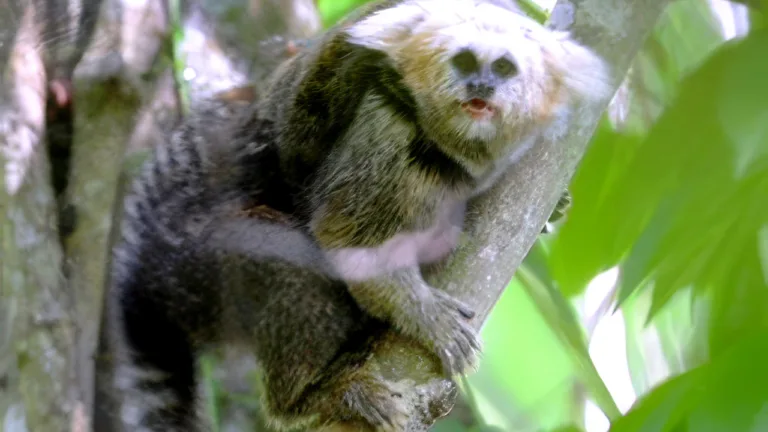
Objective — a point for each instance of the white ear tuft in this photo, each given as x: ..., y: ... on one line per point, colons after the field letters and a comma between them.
x: 585, y: 73
x: 386, y: 28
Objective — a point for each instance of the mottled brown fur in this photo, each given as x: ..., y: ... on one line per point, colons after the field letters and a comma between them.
x: 211, y: 254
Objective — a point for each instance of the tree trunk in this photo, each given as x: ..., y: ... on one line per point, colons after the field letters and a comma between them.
x: 35, y: 309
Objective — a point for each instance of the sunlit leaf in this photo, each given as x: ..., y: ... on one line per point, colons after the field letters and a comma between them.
x: 675, y: 329
x: 678, y: 242
x: 569, y: 428
x: 332, y: 11
x: 537, y: 260
x: 562, y: 321
x: 726, y: 395
x: 757, y: 15
x: 644, y: 255
x: 665, y: 347
x: 762, y: 248
x: 684, y: 36
x: 742, y: 103
x: 689, y: 32
x: 736, y: 391
x: 694, y: 191
x: 525, y: 373
x: 663, y: 408
x: 533, y: 10
x: 740, y: 307
x: 633, y: 310
x: 584, y: 246
x: 740, y: 234
x: 617, y: 189
x: 701, y: 230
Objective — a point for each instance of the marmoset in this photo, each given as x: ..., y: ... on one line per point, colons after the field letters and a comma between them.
x: 209, y: 254
x: 296, y: 226
x: 390, y: 123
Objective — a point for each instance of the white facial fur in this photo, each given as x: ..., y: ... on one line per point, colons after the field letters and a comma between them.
x: 421, y: 36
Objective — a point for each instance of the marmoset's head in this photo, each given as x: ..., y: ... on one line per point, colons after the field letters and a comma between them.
x: 483, y: 76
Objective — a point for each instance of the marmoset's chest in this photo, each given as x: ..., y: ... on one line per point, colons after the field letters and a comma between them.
x: 404, y: 249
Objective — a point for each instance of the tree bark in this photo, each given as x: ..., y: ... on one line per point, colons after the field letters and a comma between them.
x: 506, y: 221
x: 37, y: 353
x: 10, y: 20
x: 111, y: 97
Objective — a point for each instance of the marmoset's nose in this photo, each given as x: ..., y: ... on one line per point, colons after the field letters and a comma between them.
x: 480, y: 89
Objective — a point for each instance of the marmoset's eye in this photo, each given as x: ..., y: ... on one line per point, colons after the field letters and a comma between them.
x: 504, y: 68
x: 465, y: 62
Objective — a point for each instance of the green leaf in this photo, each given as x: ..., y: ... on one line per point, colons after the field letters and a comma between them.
x: 525, y: 376
x: 689, y: 32
x: 331, y: 11
x: 623, y: 178
x: 638, y: 358
x: 728, y: 394
x: 686, y: 35
x: 736, y: 390
x: 686, y: 228
x: 741, y: 98
x: 644, y: 255
x: 676, y: 331
x: 757, y: 17
x: 663, y: 408
x: 762, y: 249
x: 679, y: 241
x: 537, y: 261
x: 742, y: 305
x: 568, y: 428
x: 585, y: 244
x: 561, y: 319
x: 533, y: 10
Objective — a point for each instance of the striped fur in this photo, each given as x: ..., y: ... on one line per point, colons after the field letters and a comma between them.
x: 208, y: 255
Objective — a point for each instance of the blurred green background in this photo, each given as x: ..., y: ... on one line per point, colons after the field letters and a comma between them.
x: 647, y: 308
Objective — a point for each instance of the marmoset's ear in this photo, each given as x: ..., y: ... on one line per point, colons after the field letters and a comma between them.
x: 387, y: 29
x: 584, y: 73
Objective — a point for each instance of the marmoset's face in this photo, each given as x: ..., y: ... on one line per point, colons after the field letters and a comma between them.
x: 482, y: 76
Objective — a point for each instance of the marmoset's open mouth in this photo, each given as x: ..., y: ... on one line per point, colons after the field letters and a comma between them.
x: 478, y: 108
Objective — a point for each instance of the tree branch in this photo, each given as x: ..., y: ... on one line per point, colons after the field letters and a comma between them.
x: 123, y: 89
x: 505, y: 222
x: 10, y: 20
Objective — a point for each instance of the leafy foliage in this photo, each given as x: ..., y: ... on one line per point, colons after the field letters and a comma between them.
x: 720, y: 395
x: 688, y: 208
x: 677, y: 199
x: 683, y: 207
